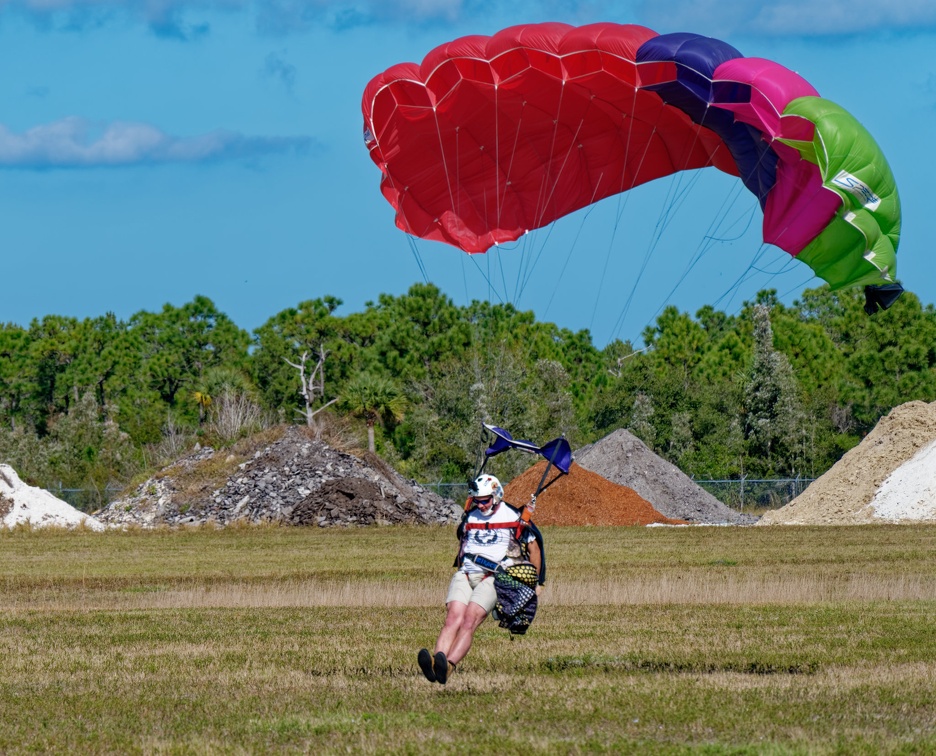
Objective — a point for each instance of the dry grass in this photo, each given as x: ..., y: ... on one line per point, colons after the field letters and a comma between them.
x: 427, y: 592
x: 720, y: 640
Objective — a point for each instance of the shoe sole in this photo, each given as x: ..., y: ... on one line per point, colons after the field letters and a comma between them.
x: 424, y: 658
x: 440, y: 667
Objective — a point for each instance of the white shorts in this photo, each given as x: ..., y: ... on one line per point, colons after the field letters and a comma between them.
x: 477, y: 587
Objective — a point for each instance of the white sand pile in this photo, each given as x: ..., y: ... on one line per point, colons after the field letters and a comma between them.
x: 909, y: 493
x: 22, y: 504
x: 889, y: 477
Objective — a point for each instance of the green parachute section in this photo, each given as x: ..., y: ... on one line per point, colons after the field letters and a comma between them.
x: 854, y: 167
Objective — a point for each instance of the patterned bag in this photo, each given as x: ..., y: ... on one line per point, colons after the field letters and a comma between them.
x: 516, y: 597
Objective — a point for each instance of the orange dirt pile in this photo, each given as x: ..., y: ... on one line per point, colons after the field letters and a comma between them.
x: 583, y: 498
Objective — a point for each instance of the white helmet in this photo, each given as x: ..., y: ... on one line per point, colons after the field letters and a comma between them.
x: 487, y: 485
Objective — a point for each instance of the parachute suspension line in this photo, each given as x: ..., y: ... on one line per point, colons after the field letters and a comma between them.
x: 655, y: 238
x: 678, y: 197
x: 798, y: 286
x: 622, y: 198
x: 526, y: 243
x: 445, y: 168
x: 675, y: 198
x: 419, y: 261
x: 547, y: 189
x: 542, y: 188
x: 568, y: 258
x: 500, y: 259
x: 486, y: 275
x: 733, y: 289
x: 555, y: 182
x: 591, y: 207
x: 457, y: 168
x: 753, y: 267
x: 627, y: 182
x: 550, y: 184
x: 410, y: 236
x: 709, y: 238
x: 651, y: 248
x: 532, y: 256
x: 461, y: 262
x: 496, y: 166
x: 708, y: 241
x: 673, y: 194
x: 621, y: 204
x: 652, y: 243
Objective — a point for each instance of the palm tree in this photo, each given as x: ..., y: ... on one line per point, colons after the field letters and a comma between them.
x: 374, y: 399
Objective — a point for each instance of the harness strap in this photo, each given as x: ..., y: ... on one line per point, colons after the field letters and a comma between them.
x: 489, y: 525
x: 484, y: 562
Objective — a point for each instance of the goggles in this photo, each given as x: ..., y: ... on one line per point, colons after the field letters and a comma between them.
x: 482, y: 500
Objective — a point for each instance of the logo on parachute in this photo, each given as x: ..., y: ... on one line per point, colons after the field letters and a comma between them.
x: 857, y: 188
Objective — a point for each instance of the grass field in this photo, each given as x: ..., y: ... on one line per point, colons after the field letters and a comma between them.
x: 648, y: 640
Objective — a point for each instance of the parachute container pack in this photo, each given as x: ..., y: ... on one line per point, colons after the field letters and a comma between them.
x: 491, y: 137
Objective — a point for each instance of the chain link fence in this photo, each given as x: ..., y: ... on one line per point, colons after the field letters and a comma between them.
x: 86, y: 500
x: 749, y: 493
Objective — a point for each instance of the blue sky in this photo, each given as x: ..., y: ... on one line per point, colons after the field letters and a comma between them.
x: 155, y: 150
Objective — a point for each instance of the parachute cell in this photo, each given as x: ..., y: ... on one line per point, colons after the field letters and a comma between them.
x: 491, y: 137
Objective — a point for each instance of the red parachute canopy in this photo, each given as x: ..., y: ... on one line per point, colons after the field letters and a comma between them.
x: 491, y: 137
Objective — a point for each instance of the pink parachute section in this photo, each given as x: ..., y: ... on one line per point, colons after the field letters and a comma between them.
x: 798, y: 207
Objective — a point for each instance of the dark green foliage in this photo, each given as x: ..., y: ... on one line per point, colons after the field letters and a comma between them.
x: 771, y: 391
x: 178, y: 345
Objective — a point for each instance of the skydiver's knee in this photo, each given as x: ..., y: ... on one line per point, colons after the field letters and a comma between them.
x: 473, y: 618
x: 455, y: 612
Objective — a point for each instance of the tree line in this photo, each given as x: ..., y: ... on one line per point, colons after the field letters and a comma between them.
x: 773, y: 391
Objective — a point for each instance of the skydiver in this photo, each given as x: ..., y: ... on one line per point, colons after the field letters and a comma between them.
x: 490, y: 540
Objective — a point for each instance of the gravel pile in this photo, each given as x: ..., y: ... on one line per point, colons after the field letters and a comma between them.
x: 294, y: 480
x: 623, y: 458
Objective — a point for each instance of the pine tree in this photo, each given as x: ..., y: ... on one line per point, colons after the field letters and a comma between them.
x: 773, y: 416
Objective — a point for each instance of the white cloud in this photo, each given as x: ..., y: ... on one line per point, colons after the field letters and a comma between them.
x: 185, y: 19
x: 171, y: 18
x: 75, y: 142
x: 790, y: 17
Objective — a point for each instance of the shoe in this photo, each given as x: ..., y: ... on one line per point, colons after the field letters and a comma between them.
x: 440, y: 668
x: 425, y: 664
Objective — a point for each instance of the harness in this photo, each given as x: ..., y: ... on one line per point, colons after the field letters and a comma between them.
x: 515, y: 585
x: 524, y: 524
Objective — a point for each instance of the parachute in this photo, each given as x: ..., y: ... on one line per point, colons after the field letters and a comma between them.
x: 491, y: 137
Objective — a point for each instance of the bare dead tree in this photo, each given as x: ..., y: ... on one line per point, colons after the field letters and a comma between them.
x: 312, y: 387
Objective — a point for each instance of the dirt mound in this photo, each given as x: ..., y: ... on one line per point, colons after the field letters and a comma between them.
x: 623, y: 458
x: 583, y: 498
x: 352, y: 501
x: 283, y: 476
x: 888, y: 477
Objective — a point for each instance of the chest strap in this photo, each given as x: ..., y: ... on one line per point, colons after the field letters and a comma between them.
x: 489, y: 525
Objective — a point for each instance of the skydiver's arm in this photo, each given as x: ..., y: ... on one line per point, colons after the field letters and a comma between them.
x: 536, y: 556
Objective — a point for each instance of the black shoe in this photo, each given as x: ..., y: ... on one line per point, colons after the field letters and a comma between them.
x: 440, y: 668
x: 425, y: 664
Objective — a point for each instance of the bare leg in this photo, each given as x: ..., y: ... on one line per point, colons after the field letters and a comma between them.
x: 454, y: 616
x: 461, y: 621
